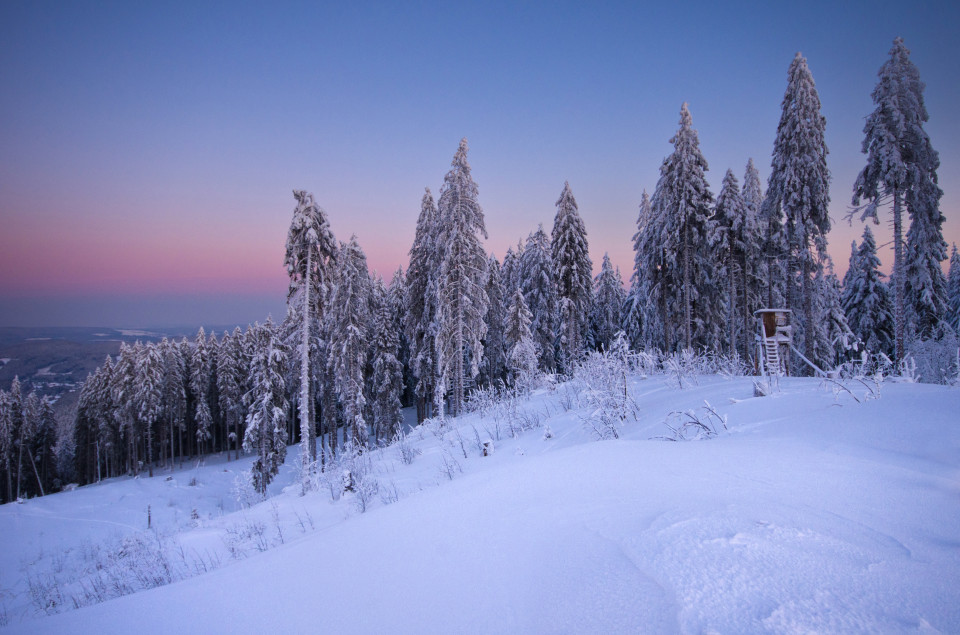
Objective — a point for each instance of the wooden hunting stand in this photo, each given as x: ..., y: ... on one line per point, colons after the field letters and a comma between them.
x: 775, y: 341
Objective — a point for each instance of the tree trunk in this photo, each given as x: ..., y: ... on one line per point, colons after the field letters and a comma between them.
x: 733, y: 304
x: 899, y: 284
x: 308, y: 449
x: 687, y: 309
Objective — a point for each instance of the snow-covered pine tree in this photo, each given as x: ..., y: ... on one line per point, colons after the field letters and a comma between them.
x: 681, y: 206
x: 607, y: 305
x: 7, y: 433
x: 540, y: 295
x: 348, y: 328
x: 463, y: 274
x: 926, y: 286
x: 729, y: 220
x: 200, y: 370
x: 397, y: 297
x: 123, y: 389
x: 231, y: 381
x: 753, y: 268
x: 149, y: 395
x: 800, y: 185
x: 387, y: 370
x: 310, y: 248
x: 420, y: 324
x: 174, y: 398
x: 642, y: 317
x: 902, y: 169
x: 266, y: 430
x: 510, y: 273
x: 572, y: 273
x: 494, y: 346
x: 866, y: 299
x: 521, y: 345
x: 833, y: 337
x: 953, y: 291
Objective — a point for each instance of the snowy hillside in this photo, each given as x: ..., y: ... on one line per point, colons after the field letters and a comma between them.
x: 811, y: 511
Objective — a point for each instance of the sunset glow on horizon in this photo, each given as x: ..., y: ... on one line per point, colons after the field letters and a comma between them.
x: 150, y: 151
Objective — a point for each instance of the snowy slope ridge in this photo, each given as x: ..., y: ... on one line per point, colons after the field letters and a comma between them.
x: 812, y: 512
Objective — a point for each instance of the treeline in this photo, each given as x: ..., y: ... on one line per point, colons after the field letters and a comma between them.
x: 351, y: 350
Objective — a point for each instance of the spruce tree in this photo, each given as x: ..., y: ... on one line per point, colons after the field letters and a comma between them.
x: 310, y: 247
x: 149, y: 395
x: 387, y: 378
x: 231, y: 379
x: 200, y: 371
x: 540, y: 295
x: 643, y: 317
x: 681, y: 209
x: 348, y: 330
x: 266, y: 425
x: 494, y: 347
x: 902, y: 169
x: 420, y: 325
x: 866, y: 299
x: 607, y: 305
x: 463, y: 273
x: 729, y: 218
x: 521, y: 347
x: 754, y: 283
x: 572, y: 273
x: 800, y: 185
x: 953, y: 292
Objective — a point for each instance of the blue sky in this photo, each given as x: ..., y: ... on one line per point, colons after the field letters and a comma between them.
x: 148, y: 150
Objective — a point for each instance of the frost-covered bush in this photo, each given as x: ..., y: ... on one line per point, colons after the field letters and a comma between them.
x: 603, y: 377
x: 936, y: 357
x: 690, y: 425
x: 683, y: 368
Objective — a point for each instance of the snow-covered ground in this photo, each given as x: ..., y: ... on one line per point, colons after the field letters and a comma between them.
x: 811, y: 512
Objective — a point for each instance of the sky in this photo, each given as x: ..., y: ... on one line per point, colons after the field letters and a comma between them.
x: 148, y: 151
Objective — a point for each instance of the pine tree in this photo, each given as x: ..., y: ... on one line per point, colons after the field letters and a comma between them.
x: 640, y: 315
x: 349, y: 318
x: 231, y: 380
x: 200, y: 371
x: 397, y: 297
x: 387, y: 379
x: 800, y: 185
x: 7, y: 442
x: 510, y: 272
x: 174, y: 399
x: 572, y: 273
x: 730, y: 218
x: 866, y: 299
x: 463, y: 272
x: 832, y: 336
x: 149, y: 394
x: 266, y: 430
x: 681, y: 208
x: 607, y: 304
x: 953, y: 291
x: 521, y: 346
x: 540, y: 295
x: 494, y: 346
x: 423, y: 279
x: 902, y: 169
x: 754, y: 283
x: 310, y: 248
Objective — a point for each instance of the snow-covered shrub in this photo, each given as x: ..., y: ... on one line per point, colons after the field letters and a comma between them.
x: 405, y: 449
x: 936, y: 357
x: 604, y: 380
x: 689, y: 425
x: 683, y: 368
x: 243, y: 491
x: 645, y: 363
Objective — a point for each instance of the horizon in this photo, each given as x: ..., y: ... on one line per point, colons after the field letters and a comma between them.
x: 150, y: 152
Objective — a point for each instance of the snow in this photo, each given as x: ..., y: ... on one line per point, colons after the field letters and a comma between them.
x: 812, y: 512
